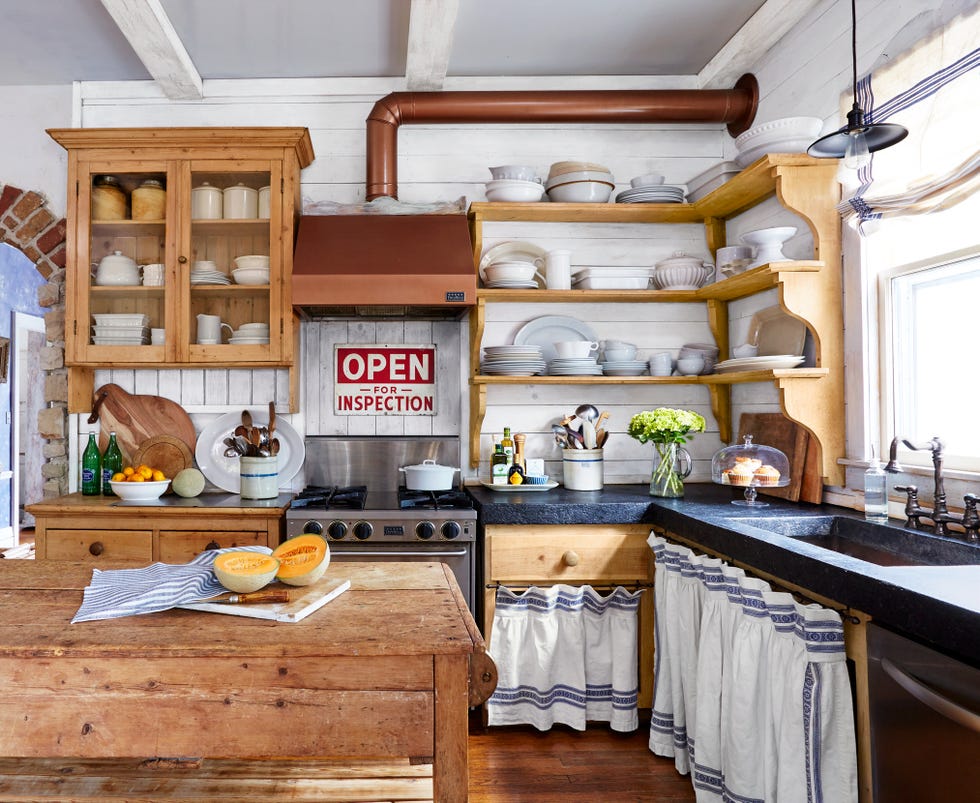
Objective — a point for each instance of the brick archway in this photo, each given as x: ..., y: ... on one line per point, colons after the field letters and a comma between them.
x: 28, y: 225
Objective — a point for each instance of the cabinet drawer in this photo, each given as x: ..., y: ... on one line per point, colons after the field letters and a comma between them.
x: 116, y: 546
x: 179, y: 546
x: 567, y: 554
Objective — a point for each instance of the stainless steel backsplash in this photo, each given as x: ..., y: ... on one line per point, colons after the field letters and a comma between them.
x: 373, y: 461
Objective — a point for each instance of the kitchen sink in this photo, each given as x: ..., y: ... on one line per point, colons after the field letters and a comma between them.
x: 882, y: 544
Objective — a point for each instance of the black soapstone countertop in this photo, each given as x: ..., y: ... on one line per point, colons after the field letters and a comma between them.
x: 938, y: 605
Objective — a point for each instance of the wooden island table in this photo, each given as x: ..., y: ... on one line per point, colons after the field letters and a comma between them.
x: 366, y: 699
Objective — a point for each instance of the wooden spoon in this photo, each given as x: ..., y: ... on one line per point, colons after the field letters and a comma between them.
x: 272, y: 418
x: 246, y: 419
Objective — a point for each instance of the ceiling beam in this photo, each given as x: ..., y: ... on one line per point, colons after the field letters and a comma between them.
x: 752, y: 41
x: 153, y: 38
x: 430, y: 41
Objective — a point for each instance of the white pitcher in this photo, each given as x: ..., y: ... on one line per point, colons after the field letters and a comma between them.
x: 209, y: 329
x: 558, y: 270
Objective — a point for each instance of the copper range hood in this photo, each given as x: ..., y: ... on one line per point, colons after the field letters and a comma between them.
x: 383, y: 266
x: 422, y: 265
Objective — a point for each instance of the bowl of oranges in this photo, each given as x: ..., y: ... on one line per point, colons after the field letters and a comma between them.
x: 140, y: 484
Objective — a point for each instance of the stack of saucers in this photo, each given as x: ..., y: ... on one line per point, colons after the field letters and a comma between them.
x: 512, y: 361
x: 121, y: 329
x: 624, y: 367
x: 574, y: 366
x: 251, y: 334
x: 652, y: 194
x: 202, y: 275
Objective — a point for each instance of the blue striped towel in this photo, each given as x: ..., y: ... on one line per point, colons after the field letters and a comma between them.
x: 114, y: 593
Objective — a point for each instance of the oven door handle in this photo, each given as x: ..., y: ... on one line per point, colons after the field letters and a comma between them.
x: 395, y: 553
x: 937, y: 702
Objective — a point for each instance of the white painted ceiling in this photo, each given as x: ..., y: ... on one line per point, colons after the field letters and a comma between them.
x: 60, y: 41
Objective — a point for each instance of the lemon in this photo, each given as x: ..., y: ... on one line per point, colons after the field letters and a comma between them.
x: 158, y: 476
x: 120, y: 477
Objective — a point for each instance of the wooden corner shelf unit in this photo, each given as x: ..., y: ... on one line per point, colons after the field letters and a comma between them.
x: 809, y: 290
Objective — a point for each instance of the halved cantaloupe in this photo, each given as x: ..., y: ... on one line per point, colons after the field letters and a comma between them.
x: 302, y: 560
x: 244, y: 572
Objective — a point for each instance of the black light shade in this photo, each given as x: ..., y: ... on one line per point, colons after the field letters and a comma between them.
x: 877, y: 136
x: 856, y: 140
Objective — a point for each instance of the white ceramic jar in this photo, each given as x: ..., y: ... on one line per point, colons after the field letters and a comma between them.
x: 241, y: 203
x: 206, y: 202
x: 582, y: 469
x: 682, y: 272
x: 264, y: 203
x: 259, y: 477
x: 117, y: 269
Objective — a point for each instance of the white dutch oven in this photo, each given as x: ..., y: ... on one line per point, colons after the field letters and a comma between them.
x: 428, y: 476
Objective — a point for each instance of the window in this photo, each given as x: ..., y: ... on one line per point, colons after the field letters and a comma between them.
x: 931, y: 324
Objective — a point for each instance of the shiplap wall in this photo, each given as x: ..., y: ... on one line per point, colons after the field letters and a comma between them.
x: 804, y: 74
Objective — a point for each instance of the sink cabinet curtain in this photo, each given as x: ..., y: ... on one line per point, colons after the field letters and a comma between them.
x: 565, y: 655
x: 751, y: 694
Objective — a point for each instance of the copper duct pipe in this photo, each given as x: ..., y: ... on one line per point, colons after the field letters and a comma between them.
x: 736, y: 107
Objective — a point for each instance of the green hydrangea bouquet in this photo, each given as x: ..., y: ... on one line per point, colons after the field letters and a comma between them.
x: 667, y: 429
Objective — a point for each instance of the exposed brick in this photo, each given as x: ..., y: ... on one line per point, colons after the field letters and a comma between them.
x: 53, y: 237
x: 56, y: 386
x: 34, y: 225
x: 54, y: 469
x: 51, y: 423
x: 45, y: 268
x: 54, y: 325
x: 8, y: 196
x: 59, y: 256
x: 28, y: 202
x: 48, y: 295
x: 32, y: 253
x: 10, y: 223
x: 53, y: 488
x: 52, y: 358
x: 55, y: 449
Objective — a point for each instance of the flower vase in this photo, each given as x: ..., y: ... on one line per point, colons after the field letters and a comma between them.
x: 668, y: 474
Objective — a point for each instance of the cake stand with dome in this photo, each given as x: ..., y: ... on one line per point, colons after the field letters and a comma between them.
x: 750, y: 465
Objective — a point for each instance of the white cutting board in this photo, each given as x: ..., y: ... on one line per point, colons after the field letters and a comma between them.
x: 302, y: 602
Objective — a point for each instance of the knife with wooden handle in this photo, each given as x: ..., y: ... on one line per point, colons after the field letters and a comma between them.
x: 279, y: 595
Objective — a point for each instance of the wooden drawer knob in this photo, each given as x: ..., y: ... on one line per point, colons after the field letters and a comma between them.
x: 570, y: 558
x: 213, y: 545
x: 96, y: 548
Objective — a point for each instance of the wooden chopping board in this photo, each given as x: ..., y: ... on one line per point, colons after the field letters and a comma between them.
x: 137, y: 418
x: 302, y: 602
x: 774, y: 429
x: 165, y: 452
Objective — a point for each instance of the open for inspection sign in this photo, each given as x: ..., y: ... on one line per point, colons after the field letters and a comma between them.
x: 385, y: 380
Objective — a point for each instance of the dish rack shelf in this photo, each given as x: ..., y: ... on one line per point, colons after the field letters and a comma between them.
x: 808, y: 289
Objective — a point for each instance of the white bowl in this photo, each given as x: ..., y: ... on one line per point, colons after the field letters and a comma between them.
x: 775, y: 130
x: 521, y: 172
x: 646, y: 180
x: 514, y: 191
x: 581, y: 192
x: 561, y: 168
x: 681, y: 272
x: 251, y: 275
x: 252, y: 261
x: 139, y: 491
x: 255, y: 326
x: 509, y: 272
x: 690, y: 366
x: 618, y: 355
x: 580, y: 175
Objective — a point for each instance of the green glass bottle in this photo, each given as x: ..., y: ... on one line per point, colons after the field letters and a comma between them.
x: 112, y: 463
x: 91, y: 468
x: 498, y: 466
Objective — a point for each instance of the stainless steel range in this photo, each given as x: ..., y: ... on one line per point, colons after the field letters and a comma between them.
x: 355, y: 498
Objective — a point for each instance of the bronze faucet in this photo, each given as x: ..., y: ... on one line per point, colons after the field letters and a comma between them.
x: 939, y: 514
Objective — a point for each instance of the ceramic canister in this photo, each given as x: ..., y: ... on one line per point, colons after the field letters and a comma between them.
x: 264, y: 203
x: 206, y: 202
x: 108, y: 199
x: 241, y: 203
x: 149, y: 200
x: 259, y: 477
x: 582, y: 469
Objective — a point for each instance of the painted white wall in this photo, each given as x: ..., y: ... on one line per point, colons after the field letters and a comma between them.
x: 29, y: 158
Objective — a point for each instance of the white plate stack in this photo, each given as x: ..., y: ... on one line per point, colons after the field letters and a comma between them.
x: 574, y: 366
x: 624, y: 368
x: 208, y: 276
x: 652, y: 194
x: 250, y: 334
x: 121, y: 329
x: 512, y: 361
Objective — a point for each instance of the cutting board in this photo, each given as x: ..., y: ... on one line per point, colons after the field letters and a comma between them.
x: 774, y: 429
x: 302, y: 602
x: 165, y: 452
x: 136, y: 418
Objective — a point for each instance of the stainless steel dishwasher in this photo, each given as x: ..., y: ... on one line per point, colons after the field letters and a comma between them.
x: 925, y: 722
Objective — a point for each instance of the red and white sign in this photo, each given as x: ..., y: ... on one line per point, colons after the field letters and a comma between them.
x: 385, y: 380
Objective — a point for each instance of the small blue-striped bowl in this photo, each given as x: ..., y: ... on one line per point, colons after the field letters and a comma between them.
x: 541, y: 479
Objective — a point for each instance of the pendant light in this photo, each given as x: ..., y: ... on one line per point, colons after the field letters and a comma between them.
x: 856, y: 141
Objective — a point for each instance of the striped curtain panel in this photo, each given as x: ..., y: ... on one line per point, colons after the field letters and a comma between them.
x: 751, y: 694
x: 932, y: 90
x: 565, y: 655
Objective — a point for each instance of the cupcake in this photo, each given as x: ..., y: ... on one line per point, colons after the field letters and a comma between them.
x: 740, y: 474
x: 748, y: 463
x: 766, y: 475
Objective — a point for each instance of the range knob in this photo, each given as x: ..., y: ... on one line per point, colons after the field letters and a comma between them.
x: 425, y: 530
x: 337, y: 530
x: 313, y: 527
x: 363, y: 530
x: 450, y: 530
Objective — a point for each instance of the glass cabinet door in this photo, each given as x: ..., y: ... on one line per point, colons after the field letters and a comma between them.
x: 122, y: 301
x: 230, y: 262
